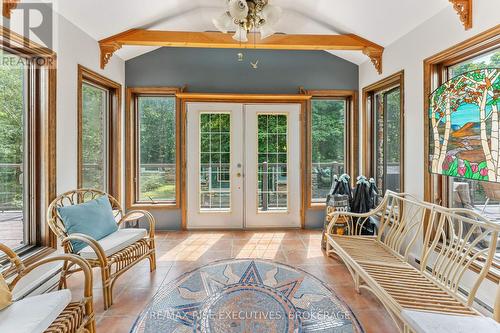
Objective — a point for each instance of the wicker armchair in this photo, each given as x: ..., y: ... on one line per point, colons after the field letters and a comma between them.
x: 77, y: 317
x: 113, y: 260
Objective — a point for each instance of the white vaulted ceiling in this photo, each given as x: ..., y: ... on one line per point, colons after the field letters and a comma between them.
x: 381, y: 21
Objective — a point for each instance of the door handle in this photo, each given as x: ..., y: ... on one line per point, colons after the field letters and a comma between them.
x: 238, y: 174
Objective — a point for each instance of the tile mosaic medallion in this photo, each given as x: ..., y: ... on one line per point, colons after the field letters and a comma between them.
x: 246, y: 296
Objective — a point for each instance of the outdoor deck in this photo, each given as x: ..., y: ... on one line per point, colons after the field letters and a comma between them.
x: 11, y: 228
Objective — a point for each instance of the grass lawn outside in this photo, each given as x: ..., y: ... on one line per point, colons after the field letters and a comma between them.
x: 164, y: 192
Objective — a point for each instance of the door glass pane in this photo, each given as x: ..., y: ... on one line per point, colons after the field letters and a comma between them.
x: 13, y: 138
x: 328, y: 145
x: 215, y: 159
x: 272, y: 162
x: 157, y: 148
x: 94, y: 137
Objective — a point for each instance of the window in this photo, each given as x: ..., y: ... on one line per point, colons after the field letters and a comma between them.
x: 328, y: 144
x: 478, y: 52
x: 384, y: 124
x: 331, y: 137
x: 98, y: 132
x: 483, y: 197
x: 14, y: 138
x: 157, y: 148
x: 27, y: 114
x: 387, y: 139
x: 94, y: 137
x: 152, y: 148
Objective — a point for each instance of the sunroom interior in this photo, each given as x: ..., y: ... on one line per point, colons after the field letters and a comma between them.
x: 249, y: 166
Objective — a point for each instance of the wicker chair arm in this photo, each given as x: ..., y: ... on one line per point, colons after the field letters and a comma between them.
x: 143, y: 213
x: 74, y: 259
x: 13, y: 258
x: 90, y: 242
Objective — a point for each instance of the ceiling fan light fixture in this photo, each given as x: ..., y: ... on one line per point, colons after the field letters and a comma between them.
x: 245, y: 16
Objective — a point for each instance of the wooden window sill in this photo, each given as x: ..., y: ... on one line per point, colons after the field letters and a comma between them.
x: 154, y: 206
x: 28, y: 256
x: 317, y: 206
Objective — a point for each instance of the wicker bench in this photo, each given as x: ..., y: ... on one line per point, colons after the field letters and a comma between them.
x: 447, y: 242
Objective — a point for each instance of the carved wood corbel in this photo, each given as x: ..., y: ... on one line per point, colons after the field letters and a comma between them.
x: 108, y: 48
x: 464, y: 11
x: 8, y: 6
x: 375, y: 56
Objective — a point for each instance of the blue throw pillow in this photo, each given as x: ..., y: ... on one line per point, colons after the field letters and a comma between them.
x: 93, y: 218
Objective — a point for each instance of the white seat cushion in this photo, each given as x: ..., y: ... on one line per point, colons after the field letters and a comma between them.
x: 115, y: 242
x: 34, y: 314
x: 431, y: 322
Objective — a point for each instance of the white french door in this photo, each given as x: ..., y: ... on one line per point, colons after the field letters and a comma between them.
x: 214, y: 146
x: 272, y: 165
x: 243, y: 165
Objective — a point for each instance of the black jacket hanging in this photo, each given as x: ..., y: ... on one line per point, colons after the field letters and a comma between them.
x: 362, y: 203
x: 374, y: 195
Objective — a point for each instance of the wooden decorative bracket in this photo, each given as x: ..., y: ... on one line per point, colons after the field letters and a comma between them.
x: 107, y: 51
x: 464, y: 11
x: 8, y: 6
x: 140, y: 37
x: 375, y: 56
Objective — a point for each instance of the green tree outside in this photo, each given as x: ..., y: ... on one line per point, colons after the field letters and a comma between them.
x: 12, y: 110
x: 328, y: 144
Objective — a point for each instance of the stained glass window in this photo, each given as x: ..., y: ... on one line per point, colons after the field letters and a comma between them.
x: 478, y: 195
x: 464, y: 126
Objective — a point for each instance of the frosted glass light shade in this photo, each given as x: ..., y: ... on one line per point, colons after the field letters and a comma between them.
x: 223, y: 23
x: 271, y: 14
x: 238, y: 9
x: 266, y: 30
x: 240, y: 35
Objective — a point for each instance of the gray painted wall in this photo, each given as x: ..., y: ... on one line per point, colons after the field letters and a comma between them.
x: 218, y: 70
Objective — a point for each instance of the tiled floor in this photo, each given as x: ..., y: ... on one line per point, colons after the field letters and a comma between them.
x: 179, y: 252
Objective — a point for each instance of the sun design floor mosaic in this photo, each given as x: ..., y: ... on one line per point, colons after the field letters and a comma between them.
x: 246, y: 296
